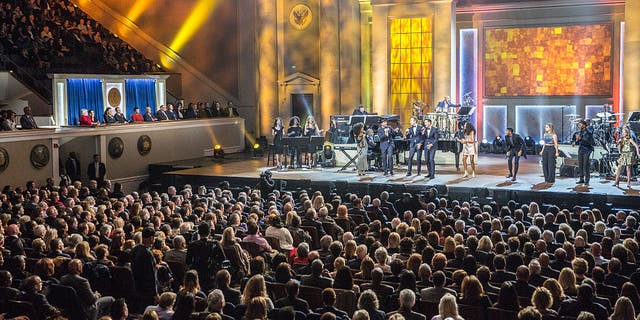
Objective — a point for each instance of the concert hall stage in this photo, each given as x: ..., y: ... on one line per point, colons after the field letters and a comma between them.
x: 489, y: 184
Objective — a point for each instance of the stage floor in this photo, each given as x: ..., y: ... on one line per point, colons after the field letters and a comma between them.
x: 490, y: 176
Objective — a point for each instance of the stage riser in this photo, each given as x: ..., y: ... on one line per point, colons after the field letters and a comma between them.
x: 442, y: 158
x: 483, y: 195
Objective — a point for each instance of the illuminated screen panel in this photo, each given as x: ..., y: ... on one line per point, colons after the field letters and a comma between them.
x: 548, y: 61
x: 410, y: 61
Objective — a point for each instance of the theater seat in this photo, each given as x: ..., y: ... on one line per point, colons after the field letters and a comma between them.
x: 500, y: 314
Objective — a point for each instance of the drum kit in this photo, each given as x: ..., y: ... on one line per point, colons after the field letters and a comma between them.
x: 602, y: 126
x: 447, y: 119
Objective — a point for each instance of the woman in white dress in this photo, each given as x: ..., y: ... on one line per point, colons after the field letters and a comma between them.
x: 469, y: 149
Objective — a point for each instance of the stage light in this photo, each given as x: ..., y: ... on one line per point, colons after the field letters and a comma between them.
x: 218, y: 152
x: 541, y: 142
x: 498, y: 145
x: 485, y: 147
x: 529, y: 145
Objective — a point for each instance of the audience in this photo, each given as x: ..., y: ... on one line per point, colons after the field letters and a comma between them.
x: 79, y: 235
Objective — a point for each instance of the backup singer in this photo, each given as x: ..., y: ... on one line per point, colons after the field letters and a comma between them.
x: 310, y: 129
x: 386, y: 135
x: 626, y: 156
x: 278, y: 131
x: 416, y: 137
x: 549, y: 153
x: 468, y: 149
x: 430, y: 147
x: 584, y: 140
x: 294, y: 151
x: 515, y: 145
x: 362, y: 164
x: 443, y: 106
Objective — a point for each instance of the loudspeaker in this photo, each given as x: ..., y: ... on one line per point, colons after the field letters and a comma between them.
x: 568, y: 171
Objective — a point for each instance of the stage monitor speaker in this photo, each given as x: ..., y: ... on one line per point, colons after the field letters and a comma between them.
x: 567, y: 170
x: 634, y: 116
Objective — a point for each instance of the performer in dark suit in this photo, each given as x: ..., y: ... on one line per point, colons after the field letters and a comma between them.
x: 294, y: 131
x: 415, y: 136
x: 97, y: 170
x: 443, y: 106
x: 27, y: 121
x: 360, y: 111
x: 72, y: 166
x: 515, y: 145
x: 430, y: 147
x: 386, y: 134
x: 584, y: 140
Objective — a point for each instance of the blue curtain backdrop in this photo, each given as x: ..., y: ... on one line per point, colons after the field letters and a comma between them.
x: 84, y: 94
x: 140, y: 93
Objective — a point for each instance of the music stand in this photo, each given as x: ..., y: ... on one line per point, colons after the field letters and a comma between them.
x: 355, y: 119
x: 465, y: 111
x: 370, y: 120
x: 315, y: 143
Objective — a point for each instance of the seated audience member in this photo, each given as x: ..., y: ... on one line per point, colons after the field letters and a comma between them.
x: 85, y: 119
x: 90, y: 301
x: 109, y: 117
x: 216, y: 304
x: 164, y: 309
x: 317, y: 278
x: 292, y: 298
x: 137, y: 117
x: 368, y: 301
x: 543, y: 301
x: 584, y: 302
x: 435, y: 293
x: 161, y: 114
x: 472, y: 293
x: 407, y: 299
x: 328, y: 305
x: 148, y: 116
x: 6, y: 291
x: 522, y: 286
x: 32, y: 293
x: 27, y: 121
x: 508, y: 297
x: 171, y: 114
x: 223, y: 282
x: 447, y: 308
x: 119, y: 116
x: 381, y: 290
x: 529, y: 313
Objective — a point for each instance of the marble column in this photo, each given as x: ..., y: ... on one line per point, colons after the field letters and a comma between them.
x: 444, y: 74
x: 267, y: 73
x: 365, y: 53
x: 329, y: 61
x: 631, y: 75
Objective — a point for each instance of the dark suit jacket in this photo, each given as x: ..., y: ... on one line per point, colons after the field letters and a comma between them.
x: 415, y: 138
x: 514, y: 143
x: 86, y: 296
x: 434, y: 294
x: 572, y: 308
x: 15, y: 245
x: 386, y: 140
x: 98, y: 176
x: 500, y: 276
x: 171, y: 115
x: 9, y: 294
x: 148, y: 117
x: 231, y: 295
x: 431, y: 137
x: 616, y: 280
x: 297, y: 304
x: 339, y: 313
x: 524, y: 289
x: 160, y: 115
x: 43, y: 309
x: 28, y: 122
x: 537, y: 280
x: 549, y: 272
x: 408, y: 315
x: 73, y: 169
x: 313, y: 281
x: 143, y: 267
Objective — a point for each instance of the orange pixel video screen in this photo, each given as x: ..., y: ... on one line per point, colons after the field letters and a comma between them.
x: 548, y: 61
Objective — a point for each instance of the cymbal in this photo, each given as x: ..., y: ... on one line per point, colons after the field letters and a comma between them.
x: 576, y: 120
x: 604, y: 114
x: 572, y: 115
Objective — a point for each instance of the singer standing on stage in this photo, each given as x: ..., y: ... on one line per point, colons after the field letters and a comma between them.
x: 515, y: 145
x: 430, y: 147
x: 362, y: 164
x: 386, y: 134
x: 584, y: 140
x: 468, y: 149
x: 549, y: 153
x: 415, y: 135
x: 277, y: 131
x: 626, y: 155
x: 294, y: 131
x: 443, y: 106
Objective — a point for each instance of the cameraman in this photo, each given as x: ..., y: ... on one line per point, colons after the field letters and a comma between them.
x: 266, y: 183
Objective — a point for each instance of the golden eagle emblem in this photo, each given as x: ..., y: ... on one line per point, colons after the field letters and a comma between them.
x: 300, y: 16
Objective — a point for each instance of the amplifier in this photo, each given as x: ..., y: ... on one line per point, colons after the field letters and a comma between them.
x: 635, y: 126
